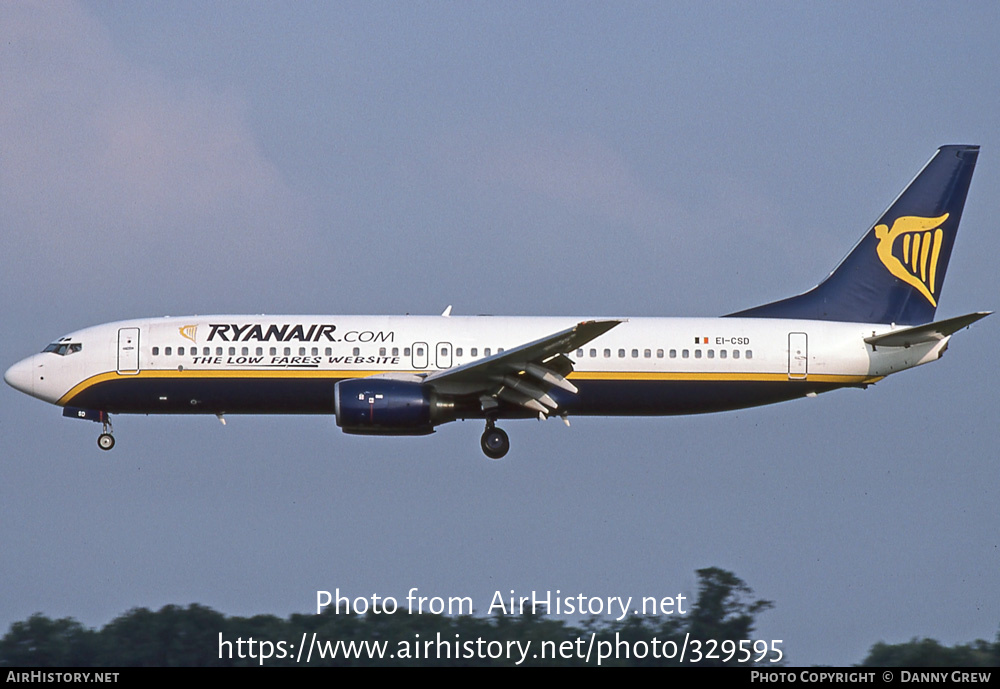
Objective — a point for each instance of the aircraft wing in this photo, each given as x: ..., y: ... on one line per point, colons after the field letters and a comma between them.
x: 932, y: 332
x: 523, y: 375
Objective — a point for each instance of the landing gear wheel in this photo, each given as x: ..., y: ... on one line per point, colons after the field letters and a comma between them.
x: 105, y: 441
x: 495, y: 442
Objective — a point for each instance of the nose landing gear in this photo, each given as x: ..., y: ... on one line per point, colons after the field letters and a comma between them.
x: 494, y: 442
x: 105, y: 440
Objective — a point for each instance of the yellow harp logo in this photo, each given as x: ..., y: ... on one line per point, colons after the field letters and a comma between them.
x: 917, y: 257
x: 189, y: 331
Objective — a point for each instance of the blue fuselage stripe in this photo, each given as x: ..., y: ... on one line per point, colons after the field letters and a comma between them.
x: 196, y: 395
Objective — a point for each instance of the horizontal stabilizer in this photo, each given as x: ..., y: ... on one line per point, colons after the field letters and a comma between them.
x: 932, y: 332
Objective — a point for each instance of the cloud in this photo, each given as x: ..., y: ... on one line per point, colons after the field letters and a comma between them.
x: 108, y: 162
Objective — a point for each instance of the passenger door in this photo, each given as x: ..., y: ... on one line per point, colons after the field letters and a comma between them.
x: 128, y: 351
x: 798, y: 356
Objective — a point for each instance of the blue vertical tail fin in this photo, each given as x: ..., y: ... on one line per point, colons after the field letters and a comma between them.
x: 895, y: 273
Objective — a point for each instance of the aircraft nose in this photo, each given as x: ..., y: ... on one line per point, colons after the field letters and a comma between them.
x: 20, y: 376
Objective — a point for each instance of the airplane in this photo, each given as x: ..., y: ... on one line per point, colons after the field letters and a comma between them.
x: 406, y: 375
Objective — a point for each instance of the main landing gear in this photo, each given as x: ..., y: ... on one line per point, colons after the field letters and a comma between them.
x: 105, y: 440
x: 495, y: 442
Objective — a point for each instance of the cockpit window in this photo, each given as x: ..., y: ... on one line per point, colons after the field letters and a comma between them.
x: 64, y: 348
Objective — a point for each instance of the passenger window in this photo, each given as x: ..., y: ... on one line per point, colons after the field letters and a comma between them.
x: 395, y: 351
x: 736, y: 354
x: 593, y: 353
x: 749, y: 354
x: 697, y: 354
x: 685, y: 354
x: 156, y: 351
x: 273, y: 351
x: 711, y: 354
x: 232, y: 351
x: 406, y: 351
x: 486, y: 352
x: 206, y: 351
x: 458, y: 351
x: 167, y: 351
x: 659, y: 353
x: 328, y: 351
x: 647, y: 354
x: 381, y: 351
x: 260, y: 351
x: 607, y: 353
x: 218, y: 351
x: 722, y: 354
x: 357, y: 351
x: 673, y: 353
x: 579, y: 354
x: 635, y: 353
x: 288, y: 351
x: 420, y: 351
x: 302, y: 351
x: 180, y: 351
x: 621, y: 353
x: 245, y: 351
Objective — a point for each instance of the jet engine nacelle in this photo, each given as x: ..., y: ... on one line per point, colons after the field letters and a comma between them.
x: 377, y: 406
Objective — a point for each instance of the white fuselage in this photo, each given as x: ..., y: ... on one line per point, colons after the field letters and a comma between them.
x: 289, y: 364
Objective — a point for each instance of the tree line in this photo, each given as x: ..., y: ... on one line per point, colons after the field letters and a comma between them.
x: 197, y: 636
